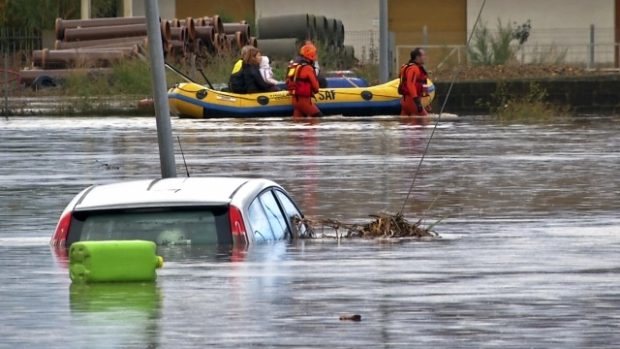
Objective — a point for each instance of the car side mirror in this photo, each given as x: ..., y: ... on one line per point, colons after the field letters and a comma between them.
x: 297, y: 226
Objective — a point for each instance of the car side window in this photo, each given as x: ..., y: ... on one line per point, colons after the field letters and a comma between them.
x: 259, y: 222
x: 274, y: 215
x: 291, y: 211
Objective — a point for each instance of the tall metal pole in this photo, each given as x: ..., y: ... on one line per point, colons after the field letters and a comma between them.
x: 6, y: 85
x: 591, y: 58
x: 127, y: 8
x: 384, y: 44
x: 160, y: 95
x: 85, y: 9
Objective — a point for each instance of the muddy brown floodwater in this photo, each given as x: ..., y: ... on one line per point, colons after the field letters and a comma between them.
x: 528, y: 255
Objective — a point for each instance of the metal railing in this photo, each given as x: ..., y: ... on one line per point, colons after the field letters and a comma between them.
x: 16, y: 47
x: 18, y: 44
x: 590, y: 47
x: 589, y: 56
x: 366, y: 45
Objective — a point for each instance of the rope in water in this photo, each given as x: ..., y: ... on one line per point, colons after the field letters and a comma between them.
x: 443, y: 106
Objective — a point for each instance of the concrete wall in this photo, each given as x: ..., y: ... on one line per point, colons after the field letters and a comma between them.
x: 596, y: 94
x: 563, y: 24
x: 360, y: 17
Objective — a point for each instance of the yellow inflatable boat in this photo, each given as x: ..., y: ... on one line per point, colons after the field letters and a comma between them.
x: 197, y: 101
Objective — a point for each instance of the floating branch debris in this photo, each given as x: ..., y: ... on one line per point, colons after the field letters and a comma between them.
x: 355, y: 317
x: 383, y: 225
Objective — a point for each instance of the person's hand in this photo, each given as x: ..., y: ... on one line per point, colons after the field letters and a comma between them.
x: 418, y: 104
x: 429, y: 108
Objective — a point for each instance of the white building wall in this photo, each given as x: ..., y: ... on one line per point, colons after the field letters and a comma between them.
x: 557, y: 25
x: 360, y: 17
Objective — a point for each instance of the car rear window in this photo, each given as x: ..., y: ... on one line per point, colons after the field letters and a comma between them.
x: 165, y: 226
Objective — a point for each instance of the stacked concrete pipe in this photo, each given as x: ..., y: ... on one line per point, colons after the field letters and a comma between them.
x: 280, y: 37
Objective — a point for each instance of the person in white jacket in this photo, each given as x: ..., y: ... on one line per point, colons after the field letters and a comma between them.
x: 266, y: 72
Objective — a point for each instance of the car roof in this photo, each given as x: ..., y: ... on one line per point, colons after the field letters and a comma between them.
x: 179, y: 191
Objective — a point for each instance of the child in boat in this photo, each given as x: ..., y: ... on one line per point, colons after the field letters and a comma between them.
x: 266, y: 72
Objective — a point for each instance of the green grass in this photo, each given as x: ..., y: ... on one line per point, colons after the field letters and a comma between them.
x: 132, y: 77
x: 217, y: 68
x: 129, y: 77
x: 531, y: 106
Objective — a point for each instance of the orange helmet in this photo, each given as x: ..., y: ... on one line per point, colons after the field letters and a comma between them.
x: 308, y: 51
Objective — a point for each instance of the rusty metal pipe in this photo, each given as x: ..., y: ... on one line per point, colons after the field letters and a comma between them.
x: 215, y: 22
x: 206, y: 34
x: 97, y: 33
x: 190, y: 24
x: 231, y: 43
x: 166, y: 34
x: 179, y: 48
x: 232, y: 28
x: 111, y: 32
x: 87, y: 57
x: 62, y: 45
x: 252, y: 41
x: 221, y: 43
x: 196, y: 45
x: 179, y: 33
x: 62, y: 24
x: 237, y: 40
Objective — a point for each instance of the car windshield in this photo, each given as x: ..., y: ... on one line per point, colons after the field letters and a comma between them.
x: 164, y: 226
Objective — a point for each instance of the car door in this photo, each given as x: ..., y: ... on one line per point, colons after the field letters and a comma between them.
x: 267, y: 220
x: 261, y: 229
x: 291, y: 211
x: 275, y: 216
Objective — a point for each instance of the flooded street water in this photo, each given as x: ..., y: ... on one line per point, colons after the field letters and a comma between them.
x: 528, y: 256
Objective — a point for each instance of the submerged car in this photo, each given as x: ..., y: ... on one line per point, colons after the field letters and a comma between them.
x: 181, y: 211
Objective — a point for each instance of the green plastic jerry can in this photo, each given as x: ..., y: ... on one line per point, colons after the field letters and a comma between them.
x: 113, y: 261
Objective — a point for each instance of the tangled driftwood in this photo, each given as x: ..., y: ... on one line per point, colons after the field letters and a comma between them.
x: 383, y: 225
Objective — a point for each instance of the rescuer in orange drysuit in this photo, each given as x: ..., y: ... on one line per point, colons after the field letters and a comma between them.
x: 302, y: 82
x: 412, y: 80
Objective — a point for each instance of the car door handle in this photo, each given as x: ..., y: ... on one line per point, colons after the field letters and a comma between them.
x: 256, y: 232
